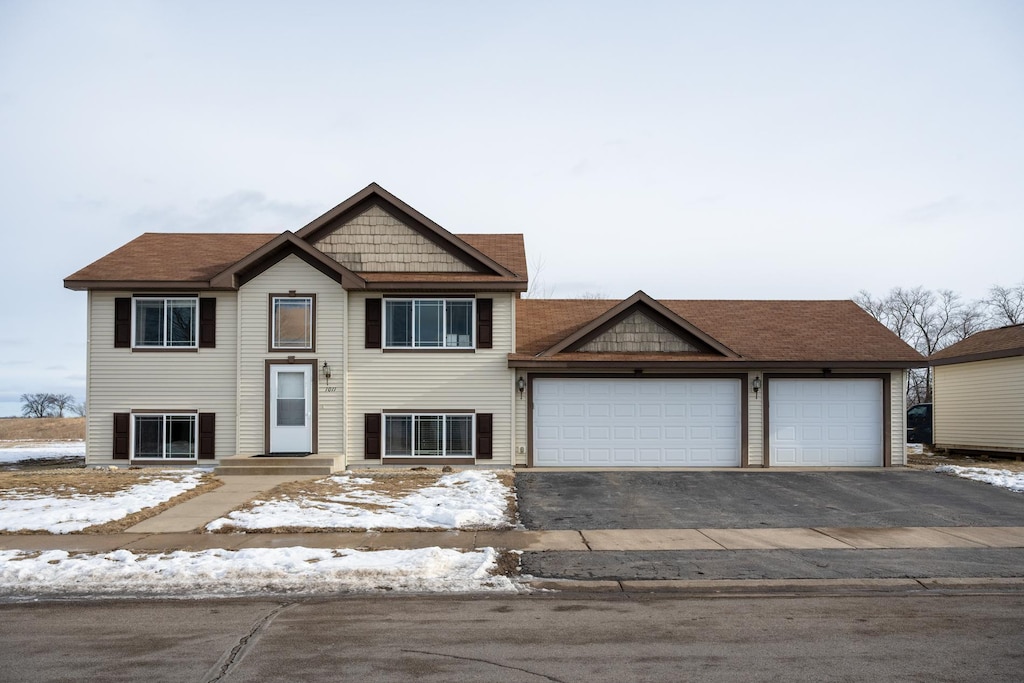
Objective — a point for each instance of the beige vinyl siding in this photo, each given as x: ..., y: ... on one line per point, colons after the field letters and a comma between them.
x: 755, y: 422
x: 291, y: 273
x: 980, y: 405
x: 416, y: 380
x: 122, y: 380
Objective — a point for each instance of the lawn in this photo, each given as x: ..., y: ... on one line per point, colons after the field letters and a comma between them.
x: 92, y: 501
x: 383, y: 501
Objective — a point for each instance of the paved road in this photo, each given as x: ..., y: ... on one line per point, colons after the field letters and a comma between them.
x: 683, y: 500
x: 931, y: 638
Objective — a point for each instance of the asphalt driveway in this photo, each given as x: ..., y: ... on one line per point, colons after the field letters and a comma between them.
x: 721, y: 500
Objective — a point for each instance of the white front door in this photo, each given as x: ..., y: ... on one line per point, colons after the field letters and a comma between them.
x: 291, y: 408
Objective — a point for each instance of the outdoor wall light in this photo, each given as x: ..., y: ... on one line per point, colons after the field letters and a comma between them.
x: 325, y: 369
x: 521, y: 386
x: 756, y: 386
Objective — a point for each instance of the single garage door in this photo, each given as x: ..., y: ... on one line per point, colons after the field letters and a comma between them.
x: 825, y: 422
x: 636, y: 422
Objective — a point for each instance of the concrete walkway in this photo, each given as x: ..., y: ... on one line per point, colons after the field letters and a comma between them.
x: 197, y: 512
x: 545, y: 541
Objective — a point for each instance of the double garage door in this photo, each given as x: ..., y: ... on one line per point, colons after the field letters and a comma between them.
x: 598, y: 422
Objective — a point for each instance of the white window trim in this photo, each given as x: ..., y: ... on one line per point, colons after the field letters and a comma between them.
x: 444, y: 435
x: 273, y: 323
x: 444, y: 323
x: 163, y: 435
x: 165, y: 345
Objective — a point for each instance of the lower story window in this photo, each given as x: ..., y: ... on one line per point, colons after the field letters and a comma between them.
x: 431, y: 436
x: 164, y: 436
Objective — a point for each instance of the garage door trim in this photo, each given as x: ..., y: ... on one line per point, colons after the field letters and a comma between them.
x: 743, y: 378
x: 886, y: 406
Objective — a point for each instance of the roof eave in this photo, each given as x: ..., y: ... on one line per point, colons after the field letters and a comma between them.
x: 110, y: 285
x: 676, y: 364
x: 982, y: 355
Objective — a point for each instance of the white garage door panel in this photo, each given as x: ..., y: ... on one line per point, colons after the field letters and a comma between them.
x: 825, y: 422
x: 636, y: 422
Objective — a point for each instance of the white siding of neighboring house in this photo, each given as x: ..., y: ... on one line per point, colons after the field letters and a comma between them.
x: 980, y: 405
x: 431, y: 380
x: 120, y: 380
x: 291, y: 273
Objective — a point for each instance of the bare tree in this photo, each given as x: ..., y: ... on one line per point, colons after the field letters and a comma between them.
x: 592, y: 295
x: 1006, y: 304
x: 37, y: 405
x: 928, y: 321
x: 537, y: 288
x: 62, y: 402
x: 78, y: 409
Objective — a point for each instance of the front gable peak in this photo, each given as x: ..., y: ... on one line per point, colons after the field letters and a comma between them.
x: 640, y: 324
x: 374, y: 231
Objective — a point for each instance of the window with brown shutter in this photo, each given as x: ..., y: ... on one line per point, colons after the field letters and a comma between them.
x: 371, y: 435
x: 207, y: 430
x: 484, y: 436
x: 373, y: 323
x: 484, y: 323
x: 121, y: 438
x: 207, y: 323
x: 122, y: 323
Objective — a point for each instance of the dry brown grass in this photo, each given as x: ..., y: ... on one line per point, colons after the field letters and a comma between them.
x: 508, y: 563
x: 927, y: 461
x: 42, y: 429
x: 70, y: 482
x: 392, y: 483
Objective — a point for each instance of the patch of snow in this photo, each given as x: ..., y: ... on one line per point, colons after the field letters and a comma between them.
x: 35, y: 450
x: 915, y: 448
x: 249, y: 571
x: 26, y: 510
x: 1002, y: 478
x: 469, y: 499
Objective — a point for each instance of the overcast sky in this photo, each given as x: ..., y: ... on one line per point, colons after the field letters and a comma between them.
x: 690, y: 149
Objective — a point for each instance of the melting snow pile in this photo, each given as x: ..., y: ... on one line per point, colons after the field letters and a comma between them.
x: 37, y: 451
x: 1003, y: 478
x: 32, y: 511
x: 471, y: 499
x: 249, y: 571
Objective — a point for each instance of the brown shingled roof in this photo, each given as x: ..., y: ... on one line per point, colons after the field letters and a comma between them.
x: 169, y: 257
x: 1002, y: 342
x: 183, y: 259
x: 776, y: 331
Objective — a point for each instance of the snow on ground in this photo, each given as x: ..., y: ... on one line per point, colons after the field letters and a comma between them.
x: 25, y: 509
x: 219, y: 572
x: 11, y: 451
x: 915, y: 448
x: 1003, y: 478
x: 470, y: 499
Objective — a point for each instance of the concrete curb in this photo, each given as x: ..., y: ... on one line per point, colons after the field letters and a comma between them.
x: 724, y: 587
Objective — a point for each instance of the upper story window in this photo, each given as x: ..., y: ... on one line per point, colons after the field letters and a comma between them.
x: 291, y: 322
x: 428, y: 323
x: 165, y: 322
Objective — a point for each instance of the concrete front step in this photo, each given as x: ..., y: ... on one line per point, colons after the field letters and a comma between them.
x: 310, y: 465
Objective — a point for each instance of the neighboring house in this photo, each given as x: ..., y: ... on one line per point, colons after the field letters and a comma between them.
x: 375, y: 336
x: 978, y: 396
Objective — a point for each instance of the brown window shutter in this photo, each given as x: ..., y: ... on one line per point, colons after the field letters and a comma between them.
x: 484, y: 438
x: 121, y: 440
x: 371, y: 436
x: 373, y: 324
x: 207, y: 323
x: 484, y: 323
x: 207, y: 430
x: 122, y: 323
